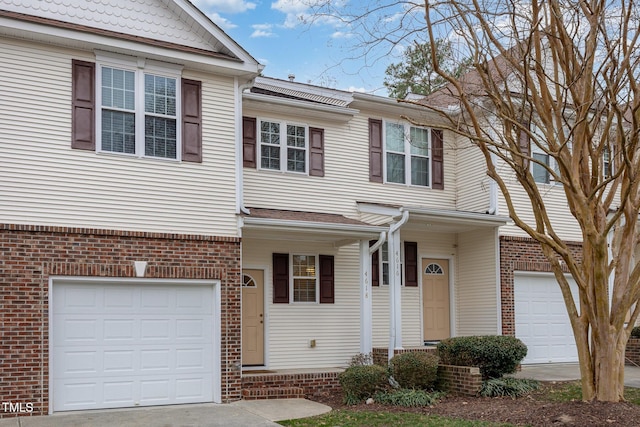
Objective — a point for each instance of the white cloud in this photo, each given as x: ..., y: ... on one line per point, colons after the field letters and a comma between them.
x: 341, y: 35
x: 290, y: 6
x: 224, y: 6
x: 221, y: 22
x: 262, y: 30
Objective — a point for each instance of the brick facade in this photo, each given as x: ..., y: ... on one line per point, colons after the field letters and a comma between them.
x: 460, y: 380
x: 521, y: 254
x: 632, y: 352
x: 29, y: 255
x: 289, y: 385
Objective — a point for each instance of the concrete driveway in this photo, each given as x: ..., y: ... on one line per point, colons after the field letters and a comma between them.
x: 243, y: 413
x: 570, y: 371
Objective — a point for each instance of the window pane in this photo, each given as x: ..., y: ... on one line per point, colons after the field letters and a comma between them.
x: 296, y: 136
x: 270, y: 132
x: 419, y: 171
x: 394, y: 137
x: 118, y: 132
x: 304, y: 290
x: 295, y: 160
x: 118, y: 88
x: 304, y: 265
x: 419, y: 141
x: 160, y: 137
x: 270, y: 157
x: 158, y: 98
x: 540, y: 174
x: 395, y: 168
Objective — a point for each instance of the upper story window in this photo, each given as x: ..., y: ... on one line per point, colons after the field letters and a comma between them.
x: 136, y: 107
x: 607, y: 164
x: 407, y: 152
x: 283, y: 146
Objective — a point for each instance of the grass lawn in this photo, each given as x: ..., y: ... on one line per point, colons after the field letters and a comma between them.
x: 379, y: 419
x: 573, y: 391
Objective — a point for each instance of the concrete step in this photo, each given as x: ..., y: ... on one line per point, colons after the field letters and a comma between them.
x: 254, y: 393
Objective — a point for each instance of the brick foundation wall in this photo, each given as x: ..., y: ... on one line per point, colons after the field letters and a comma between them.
x: 521, y: 254
x: 310, y: 383
x: 461, y: 380
x: 632, y: 353
x: 29, y: 255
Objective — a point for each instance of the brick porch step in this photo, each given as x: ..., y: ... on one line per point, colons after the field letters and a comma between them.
x: 254, y: 393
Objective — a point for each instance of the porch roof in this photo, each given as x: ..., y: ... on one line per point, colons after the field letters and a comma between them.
x: 277, y: 223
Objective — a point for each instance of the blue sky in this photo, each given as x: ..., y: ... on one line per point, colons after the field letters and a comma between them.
x: 319, y: 53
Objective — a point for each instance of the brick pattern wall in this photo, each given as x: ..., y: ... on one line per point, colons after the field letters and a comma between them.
x: 632, y: 353
x: 29, y: 255
x: 461, y: 380
x: 310, y: 383
x: 521, y: 254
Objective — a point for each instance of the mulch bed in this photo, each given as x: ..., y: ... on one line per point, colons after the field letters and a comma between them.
x: 532, y: 410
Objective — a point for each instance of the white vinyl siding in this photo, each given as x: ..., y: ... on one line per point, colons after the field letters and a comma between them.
x: 346, y: 177
x: 290, y: 327
x: 45, y: 182
x: 473, y: 183
x: 476, y: 291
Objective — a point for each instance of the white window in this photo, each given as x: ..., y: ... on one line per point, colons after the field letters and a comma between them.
x: 407, y: 152
x: 607, y: 164
x: 283, y: 146
x: 139, y: 106
x: 384, y: 263
x: 305, y: 278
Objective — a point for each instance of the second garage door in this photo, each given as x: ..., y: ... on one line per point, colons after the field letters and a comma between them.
x: 131, y: 344
x: 542, y: 322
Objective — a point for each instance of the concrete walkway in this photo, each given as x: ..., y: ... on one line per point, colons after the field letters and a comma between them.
x: 254, y: 413
x: 570, y: 371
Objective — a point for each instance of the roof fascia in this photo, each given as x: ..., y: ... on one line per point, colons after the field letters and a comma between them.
x: 260, y: 101
x: 350, y: 230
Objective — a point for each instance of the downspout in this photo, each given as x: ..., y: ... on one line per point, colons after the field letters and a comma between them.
x: 239, y: 89
x: 380, y: 242
x: 395, y: 298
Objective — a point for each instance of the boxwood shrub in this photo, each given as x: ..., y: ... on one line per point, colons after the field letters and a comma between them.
x: 362, y: 382
x: 495, y: 355
x: 635, y: 332
x: 415, y: 369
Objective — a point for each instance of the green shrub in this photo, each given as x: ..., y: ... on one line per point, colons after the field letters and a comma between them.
x: 635, y: 332
x: 408, y: 397
x: 507, y: 386
x: 415, y: 369
x: 362, y: 382
x: 495, y: 355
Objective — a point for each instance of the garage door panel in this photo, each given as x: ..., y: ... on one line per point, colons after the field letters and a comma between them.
x: 541, y: 319
x: 155, y: 348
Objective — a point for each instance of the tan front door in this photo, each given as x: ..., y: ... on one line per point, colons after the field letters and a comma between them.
x: 252, y: 317
x: 435, y: 299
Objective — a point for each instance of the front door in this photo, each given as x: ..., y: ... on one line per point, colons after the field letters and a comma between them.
x: 435, y: 299
x: 252, y: 317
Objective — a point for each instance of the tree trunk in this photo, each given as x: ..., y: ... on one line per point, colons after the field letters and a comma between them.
x: 603, y: 379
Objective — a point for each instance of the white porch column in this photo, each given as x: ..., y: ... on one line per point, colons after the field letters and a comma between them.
x: 366, y: 305
x: 395, y: 289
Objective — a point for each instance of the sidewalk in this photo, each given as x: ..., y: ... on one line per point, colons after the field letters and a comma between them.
x: 570, y: 371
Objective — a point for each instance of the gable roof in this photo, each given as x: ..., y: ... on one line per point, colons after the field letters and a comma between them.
x: 176, y: 25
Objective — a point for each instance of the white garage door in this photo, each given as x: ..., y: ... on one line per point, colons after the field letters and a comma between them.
x: 542, y: 322
x: 123, y: 345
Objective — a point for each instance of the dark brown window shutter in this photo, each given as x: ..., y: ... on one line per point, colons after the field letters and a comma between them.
x: 280, y: 278
x: 437, y: 159
x: 525, y: 143
x: 316, y: 152
x: 411, y: 263
x: 191, y: 121
x: 83, y: 118
x: 327, y: 287
x: 375, y: 266
x: 375, y: 150
x: 249, y: 142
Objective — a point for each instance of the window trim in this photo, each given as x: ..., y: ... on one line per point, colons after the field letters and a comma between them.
x: 292, y: 278
x: 140, y: 67
x: 407, y: 154
x: 283, y: 145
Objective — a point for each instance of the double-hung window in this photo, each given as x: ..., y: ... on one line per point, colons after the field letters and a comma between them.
x: 407, y: 154
x: 139, y: 107
x: 305, y: 279
x: 283, y: 146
